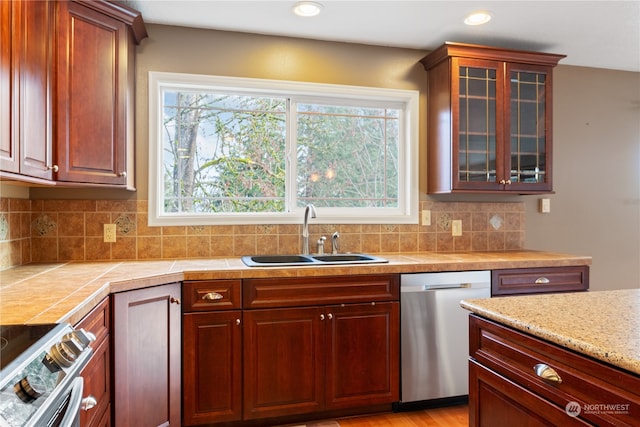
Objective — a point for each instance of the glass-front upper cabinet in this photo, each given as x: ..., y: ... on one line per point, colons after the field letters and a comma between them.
x: 489, y: 120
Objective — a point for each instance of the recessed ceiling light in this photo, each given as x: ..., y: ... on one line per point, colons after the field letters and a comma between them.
x: 477, y: 18
x: 307, y: 8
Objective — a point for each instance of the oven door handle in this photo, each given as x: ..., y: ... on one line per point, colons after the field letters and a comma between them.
x: 72, y: 415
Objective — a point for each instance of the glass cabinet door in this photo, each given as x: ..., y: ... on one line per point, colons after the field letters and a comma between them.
x: 479, y: 150
x: 528, y: 128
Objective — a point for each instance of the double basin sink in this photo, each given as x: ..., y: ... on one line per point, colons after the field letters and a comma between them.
x: 315, y: 260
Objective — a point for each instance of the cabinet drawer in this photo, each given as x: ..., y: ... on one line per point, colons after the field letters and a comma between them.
x: 539, y: 280
x: 97, y: 321
x: 513, y: 355
x: 97, y: 384
x: 207, y: 295
x: 311, y: 291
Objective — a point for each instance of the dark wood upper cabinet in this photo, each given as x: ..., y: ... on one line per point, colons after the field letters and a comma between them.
x: 489, y: 120
x: 7, y: 149
x: 95, y: 67
x: 67, y: 92
x: 25, y: 88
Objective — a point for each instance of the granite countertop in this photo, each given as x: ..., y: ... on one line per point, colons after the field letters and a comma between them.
x: 604, y: 324
x: 66, y: 292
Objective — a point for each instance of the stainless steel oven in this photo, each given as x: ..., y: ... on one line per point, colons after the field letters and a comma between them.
x: 40, y: 382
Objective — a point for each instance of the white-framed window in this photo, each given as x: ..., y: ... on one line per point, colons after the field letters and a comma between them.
x: 227, y: 150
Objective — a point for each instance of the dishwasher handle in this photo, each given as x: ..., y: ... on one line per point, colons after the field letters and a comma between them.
x: 442, y: 286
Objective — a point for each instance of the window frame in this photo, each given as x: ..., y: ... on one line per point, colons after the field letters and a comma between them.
x: 408, y: 100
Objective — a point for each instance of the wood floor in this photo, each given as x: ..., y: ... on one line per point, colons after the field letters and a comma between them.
x: 452, y: 416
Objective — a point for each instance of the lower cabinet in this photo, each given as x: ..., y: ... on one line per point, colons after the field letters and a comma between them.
x: 306, y: 360
x: 506, y: 390
x: 96, y: 405
x: 147, y: 359
x: 263, y: 349
x: 212, y: 352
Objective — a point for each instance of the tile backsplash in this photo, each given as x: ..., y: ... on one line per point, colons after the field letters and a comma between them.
x: 72, y: 230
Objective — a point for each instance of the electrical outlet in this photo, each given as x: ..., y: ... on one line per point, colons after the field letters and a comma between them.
x: 426, y: 217
x: 109, y: 233
x: 456, y: 227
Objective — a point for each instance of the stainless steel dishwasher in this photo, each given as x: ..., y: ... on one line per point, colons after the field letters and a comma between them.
x: 435, y: 334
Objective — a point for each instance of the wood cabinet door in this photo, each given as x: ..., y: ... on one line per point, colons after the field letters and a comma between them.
x: 147, y: 361
x: 8, y: 154
x: 212, y: 367
x: 283, y: 361
x: 92, y: 72
x: 26, y: 88
x: 477, y: 98
x: 362, y: 355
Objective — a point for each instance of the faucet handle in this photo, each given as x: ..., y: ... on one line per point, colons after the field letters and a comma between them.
x: 321, y: 245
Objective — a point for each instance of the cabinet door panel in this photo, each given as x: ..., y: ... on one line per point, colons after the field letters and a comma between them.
x: 477, y: 124
x: 8, y: 159
x: 283, y: 357
x: 362, y: 360
x: 147, y: 360
x: 91, y: 109
x: 212, y: 367
x: 528, y: 94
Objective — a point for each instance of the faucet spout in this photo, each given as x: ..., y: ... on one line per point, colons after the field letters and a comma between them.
x: 305, y: 227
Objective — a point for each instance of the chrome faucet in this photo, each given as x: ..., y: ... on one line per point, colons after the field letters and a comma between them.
x: 305, y: 227
x: 334, y: 242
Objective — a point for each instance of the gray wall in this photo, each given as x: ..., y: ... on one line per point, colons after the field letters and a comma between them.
x: 596, y: 206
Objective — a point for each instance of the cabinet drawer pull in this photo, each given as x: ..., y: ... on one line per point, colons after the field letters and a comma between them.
x: 542, y: 281
x: 547, y: 373
x: 88, y: 402
x: 212, y: 296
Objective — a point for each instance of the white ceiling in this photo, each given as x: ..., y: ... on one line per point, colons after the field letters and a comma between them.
x: 602, y: 34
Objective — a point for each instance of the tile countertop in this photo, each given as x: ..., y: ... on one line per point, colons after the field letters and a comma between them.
x: 66, y: 292
x: 604, y: 324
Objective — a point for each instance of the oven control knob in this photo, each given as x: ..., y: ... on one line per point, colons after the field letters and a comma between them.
x: 80, y: 338
x: 28, y: 391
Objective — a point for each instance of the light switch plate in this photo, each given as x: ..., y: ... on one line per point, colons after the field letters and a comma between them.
x: 545, y: 205
x: 426, y: 217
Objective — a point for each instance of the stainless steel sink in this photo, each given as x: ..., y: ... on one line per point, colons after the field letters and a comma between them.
x: 291, y: 260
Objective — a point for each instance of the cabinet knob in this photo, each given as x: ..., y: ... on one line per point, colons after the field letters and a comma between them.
x: 505, y: 182
x: 88, y: 402
x: 123, y: 174
x: 173, y: 300
x: 330, y: 316
x: 238, y: 322
x: 322, y: 317
x: 547, y: 373
x: 53, y: 168
x: 541, y: 281
x: 212, y: 296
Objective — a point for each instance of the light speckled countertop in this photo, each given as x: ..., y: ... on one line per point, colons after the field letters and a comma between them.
x: 66, y: 292
x: 604, y: 325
